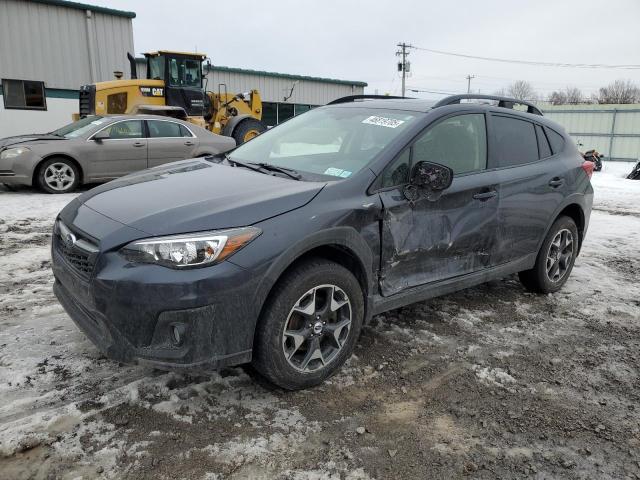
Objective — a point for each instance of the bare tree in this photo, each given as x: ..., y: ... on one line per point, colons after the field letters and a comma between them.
x: 522, y: 90
x: 558, y: 97
x: 574, y: 95
x: 619, y: 91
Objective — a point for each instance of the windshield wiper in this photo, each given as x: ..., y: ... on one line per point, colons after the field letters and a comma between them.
x: 241, y: 164
x: 290, y: 172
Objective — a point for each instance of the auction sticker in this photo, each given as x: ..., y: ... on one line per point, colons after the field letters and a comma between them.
x: 383, y: 121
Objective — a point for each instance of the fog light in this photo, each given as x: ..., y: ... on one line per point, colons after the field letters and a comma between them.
x: 177, y: 334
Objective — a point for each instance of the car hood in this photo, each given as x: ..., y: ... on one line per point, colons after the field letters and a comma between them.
x: 197, y: 195
x: 9, y: 142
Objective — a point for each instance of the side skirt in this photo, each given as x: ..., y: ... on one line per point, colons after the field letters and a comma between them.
x: 423, y: 292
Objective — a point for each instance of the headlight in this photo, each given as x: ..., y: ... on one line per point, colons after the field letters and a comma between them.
x: 190, y: 250
x: 13, y: 152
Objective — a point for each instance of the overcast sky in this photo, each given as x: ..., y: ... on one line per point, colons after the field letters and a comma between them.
x: 356, y: 40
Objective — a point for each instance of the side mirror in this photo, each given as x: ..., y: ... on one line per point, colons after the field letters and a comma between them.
x: 100, y: 136
x: 430, y: 179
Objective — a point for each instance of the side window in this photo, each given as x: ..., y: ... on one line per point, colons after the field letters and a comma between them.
x: 555, y: 139
x: 459, y: 143
x: 516, y: 141
x: 397, y: 173
x: 160, y: 129
x: 185, y: 131
x: 127, y: 129
x: 543, y: 143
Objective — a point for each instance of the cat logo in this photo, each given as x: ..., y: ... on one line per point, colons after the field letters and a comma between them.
x: 152, y: 91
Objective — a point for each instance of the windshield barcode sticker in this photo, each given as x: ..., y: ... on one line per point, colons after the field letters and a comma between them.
x: 383, y: 121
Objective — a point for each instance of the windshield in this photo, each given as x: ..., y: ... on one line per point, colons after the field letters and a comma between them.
x: 79, y: 128
x: 334, y: 141
x: 184, y: 72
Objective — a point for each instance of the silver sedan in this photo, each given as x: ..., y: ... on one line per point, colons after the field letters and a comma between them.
x: 97, y: 149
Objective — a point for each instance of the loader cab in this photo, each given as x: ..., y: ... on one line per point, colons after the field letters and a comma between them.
x: 182, y: 75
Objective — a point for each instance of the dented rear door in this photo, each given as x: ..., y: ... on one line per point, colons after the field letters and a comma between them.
x: 428, y: 241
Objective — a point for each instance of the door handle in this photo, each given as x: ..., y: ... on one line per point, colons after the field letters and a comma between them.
x: 189, y: 143
x: 482, y: 196
x: 138, y: 144
x: 556, y: 182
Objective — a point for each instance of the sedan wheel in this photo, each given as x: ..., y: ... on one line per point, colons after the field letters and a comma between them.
x: 58, y: 175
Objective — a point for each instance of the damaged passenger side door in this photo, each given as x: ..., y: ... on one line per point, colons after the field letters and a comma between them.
x: 425, y: 237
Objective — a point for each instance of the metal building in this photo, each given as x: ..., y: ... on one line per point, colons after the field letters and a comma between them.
x: 48, y: 48
x: 613, y: 130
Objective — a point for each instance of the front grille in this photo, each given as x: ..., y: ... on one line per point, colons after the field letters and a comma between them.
x: 87, y: 100
x: 72, y: 252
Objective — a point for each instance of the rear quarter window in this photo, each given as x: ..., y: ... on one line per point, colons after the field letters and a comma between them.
x: 516, y: 141
x: 555, y: 139
x: 543, y: 143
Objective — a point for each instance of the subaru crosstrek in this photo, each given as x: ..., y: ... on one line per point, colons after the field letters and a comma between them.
x: 277, y: 252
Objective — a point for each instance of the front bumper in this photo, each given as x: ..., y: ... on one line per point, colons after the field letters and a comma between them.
x: 199, y: 319
x: 18, y: 170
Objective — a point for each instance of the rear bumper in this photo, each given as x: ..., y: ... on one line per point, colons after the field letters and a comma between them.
x: 165, y: 318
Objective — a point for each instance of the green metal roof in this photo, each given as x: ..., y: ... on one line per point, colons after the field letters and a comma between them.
x: 220, y: 68
x: 288, y: 75
x: 84, y: 6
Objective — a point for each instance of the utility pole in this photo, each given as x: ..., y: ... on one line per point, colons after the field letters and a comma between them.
x: 403, y: 65
x: 469, y: 77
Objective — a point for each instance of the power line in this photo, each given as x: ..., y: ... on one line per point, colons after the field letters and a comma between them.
x: 527, y: 62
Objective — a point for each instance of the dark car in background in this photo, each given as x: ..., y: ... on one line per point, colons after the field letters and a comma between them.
x: 277, y: 252
x: 98, y: 149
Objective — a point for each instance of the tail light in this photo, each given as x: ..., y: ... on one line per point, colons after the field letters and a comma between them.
x: 588, y: 167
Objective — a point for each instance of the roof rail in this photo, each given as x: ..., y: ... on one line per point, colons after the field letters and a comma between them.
x: 353, y: 98
x: 504, y: 102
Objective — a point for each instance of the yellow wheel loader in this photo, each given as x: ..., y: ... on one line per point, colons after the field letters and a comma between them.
x: 174, y: 87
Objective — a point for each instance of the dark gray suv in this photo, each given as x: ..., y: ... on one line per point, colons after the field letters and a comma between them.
x: 276, y: 252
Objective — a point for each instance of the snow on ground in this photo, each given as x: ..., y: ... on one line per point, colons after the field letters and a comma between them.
x: 492, y: 381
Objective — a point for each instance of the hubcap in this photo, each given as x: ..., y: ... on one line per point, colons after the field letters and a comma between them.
x: 317, y: 328
x: 560, y: 255
x: 59, y: 176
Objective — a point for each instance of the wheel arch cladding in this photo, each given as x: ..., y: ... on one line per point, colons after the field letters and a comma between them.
x: 342, y: 245
x: 575, y: 212
x: 36, y: 170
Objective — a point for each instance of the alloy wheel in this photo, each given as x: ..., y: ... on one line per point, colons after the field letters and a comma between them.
x: 317, y: 328
x: 560, y: 255
x: 59, y: 176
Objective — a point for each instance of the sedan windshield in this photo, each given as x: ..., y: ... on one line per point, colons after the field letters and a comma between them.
x: 79, y: 128
x: 328, y: 141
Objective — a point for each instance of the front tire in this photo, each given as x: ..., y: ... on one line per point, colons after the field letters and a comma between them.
x: 58, y: 175
x: 555, y: 259
x: 309, y: 325
x: 247, y: 129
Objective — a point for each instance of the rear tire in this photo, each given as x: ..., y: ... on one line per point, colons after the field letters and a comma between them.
x: 247, y: 129
x: 58, y: 175
x: 555, y: 259
x: 302, y: 338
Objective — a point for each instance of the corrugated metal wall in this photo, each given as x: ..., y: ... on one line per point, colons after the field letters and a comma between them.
x: 60, y: 45
x: 273, y: 88
x: 613, y: 130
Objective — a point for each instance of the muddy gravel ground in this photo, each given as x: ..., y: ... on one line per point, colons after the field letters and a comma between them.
x: 491, y: 382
